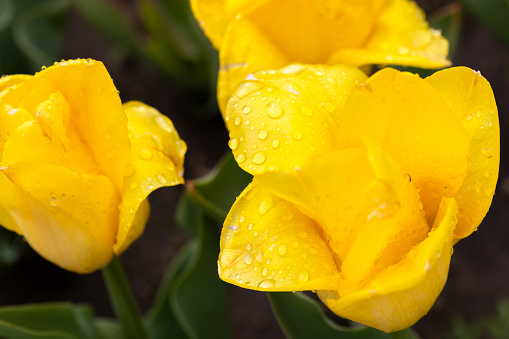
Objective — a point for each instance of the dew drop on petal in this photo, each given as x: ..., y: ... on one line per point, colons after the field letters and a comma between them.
x: 259, y: 257
x: 267, y: 283
x: 306, y: 111
x: 275, y: 143
x: 241, y: 158
x: 265, y: 205
x: 234, y: 143
x: 246, y: 109
x: 248, y: 259
x: 259, y: 158
x: 237, y: 121
x: 282, y: 250
x: 265, y: 271
x: 262, y: 134
x: 145, y: 154
x: 162, y: 179
x: 274, y: 110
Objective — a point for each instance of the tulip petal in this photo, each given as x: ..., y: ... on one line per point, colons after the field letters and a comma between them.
x: 10, y: 119
x: 68, y: 218
x: 280, y: 118
x: 401, y: 36
x: 238, y: 58
x: 415, y: 126
x: 471, y: 98
x: 369, y: 211
x: 9, y: 191
x: 12, y: 80
x: 405, y: 292
x: 96, y: 109
x: 267, y: 244
x: 157, y: 157
x: 214, y: 15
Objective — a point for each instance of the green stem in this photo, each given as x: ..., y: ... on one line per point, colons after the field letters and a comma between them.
x: 122, y: 300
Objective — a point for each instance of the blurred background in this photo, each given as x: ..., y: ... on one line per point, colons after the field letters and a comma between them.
x: 156, y: 53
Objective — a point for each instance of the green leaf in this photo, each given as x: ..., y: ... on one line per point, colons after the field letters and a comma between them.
x: 108, y: 20
x: 11, y: 247
x: 37, y: 32
x: 7, y: 11
x: 160, y: 321
x: 217, y: 191
x: 199, y: 299
x: 57, y: 320
x: 107, y: 328
x: 122, y: 300
x: 493, y: 13
x: 301, y: 317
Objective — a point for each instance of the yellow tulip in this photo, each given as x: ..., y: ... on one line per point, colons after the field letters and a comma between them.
x: 76, y: 165
x: 361, y: 186
x: 267, y: 34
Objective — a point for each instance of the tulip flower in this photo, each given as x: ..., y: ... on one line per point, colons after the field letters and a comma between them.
x: 77, y: 166
x: 361, y: 186
x: 268, y: 34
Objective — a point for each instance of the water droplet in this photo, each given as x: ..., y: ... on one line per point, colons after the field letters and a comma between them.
x: 53, y: 201
x: 275, y: 143
x: 262, y: 134
x: 246, y: 109
x: 297, y: 135
x: 134, y: 185
x: 255, y: 233
x: 265, y: 271
x: 250, y: 227
x: 302, y: 235
x: 331, y: 81
x: 259, y: 257
x: 259, y: 158
x: 249, y: 247
x: 306, y: 111
x: 248, y: 259
x: 303, y: 276
x: 145, y: 154
x: 248, y: 88
x: 234, y: 143
x: 268, y: 283
x: 293, y: 69
x: 329, y: 106
x: 161, y: 178
x: 265, y: 205
x: 237, y: 121
x: 242, y: 218
x: 282, y: 250
x: 241, y: 158
x: 274, y: 110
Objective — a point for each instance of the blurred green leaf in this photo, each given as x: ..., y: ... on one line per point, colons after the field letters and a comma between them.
x: 37, y: 32
x: 493, y: 13
x: 199, y: 299
x: 107, y: 328
x: 11, y: 247
x: 217, y: 191
x: 58, y: 320
x: 301, y: 317
x: 160, y: 320
x: 109, y: 21
x: 7, y: 11
x: 448, y: 21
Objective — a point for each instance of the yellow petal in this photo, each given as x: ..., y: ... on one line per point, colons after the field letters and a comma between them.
x: 9, y: 191
x: 470, y: 97
x: 267, y: 244
x: 215, y: 15
x: 369, y: 211
x: 69, y: 219
x: 238, y: 58
x: 401, y: 36
x: 95, y: 106
x: 415, y: 126
x: 405, y: 292
x: 12, y: 80
x: 156, y: 160
x: 10, y: 119
x: 278, y: 119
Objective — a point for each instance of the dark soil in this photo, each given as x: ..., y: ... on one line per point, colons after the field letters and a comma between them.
x: 479, y: 274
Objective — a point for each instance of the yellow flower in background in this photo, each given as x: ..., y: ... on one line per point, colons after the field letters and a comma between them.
x: 77, y: 166
x: 361, y: 186
x: 268, y: 34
